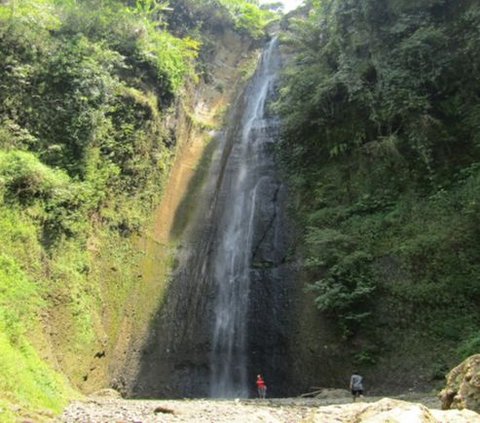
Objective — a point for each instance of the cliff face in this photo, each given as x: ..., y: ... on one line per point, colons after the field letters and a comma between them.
x: 143, y: 361
x: 224, y: 315
x: 98, y: 122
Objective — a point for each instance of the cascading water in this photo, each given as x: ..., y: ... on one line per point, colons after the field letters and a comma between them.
x: 226, y: 314
x: 233, y: 254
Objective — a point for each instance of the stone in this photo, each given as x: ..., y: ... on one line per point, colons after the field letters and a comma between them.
x: 163, y: 410
x: 388, y: 410
x: 462, y: 389
x: 455, y: 416
x: 394, y: 411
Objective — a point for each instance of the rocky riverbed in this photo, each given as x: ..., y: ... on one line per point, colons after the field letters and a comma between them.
x: 331, y: 408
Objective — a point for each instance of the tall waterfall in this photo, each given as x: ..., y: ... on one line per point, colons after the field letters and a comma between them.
x: 226, y: 314
x: 248, y: 169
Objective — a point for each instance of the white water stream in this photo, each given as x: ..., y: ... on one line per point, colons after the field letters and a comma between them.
x: 233, y: 252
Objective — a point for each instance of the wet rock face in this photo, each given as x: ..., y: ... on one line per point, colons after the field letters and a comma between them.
x: 175, y: 360
x: 249, y: 253
x: 269, y: 326
x: 269, y: 317
x: 226, y: 312
x: 463, y: 386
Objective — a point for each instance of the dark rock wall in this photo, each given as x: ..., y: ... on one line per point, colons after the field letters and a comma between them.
x: 175, y: 360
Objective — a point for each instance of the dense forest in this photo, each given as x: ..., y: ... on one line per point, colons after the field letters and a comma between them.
x: 380, y: 144
x: 380, y: 106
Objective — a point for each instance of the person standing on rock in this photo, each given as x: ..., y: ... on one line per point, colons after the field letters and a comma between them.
x: 356, y: 386
x: 261, y: 387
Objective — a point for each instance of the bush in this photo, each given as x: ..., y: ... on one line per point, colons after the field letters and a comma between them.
x: 24, y: 178
x: 25, y: 375
x: 469, y: 347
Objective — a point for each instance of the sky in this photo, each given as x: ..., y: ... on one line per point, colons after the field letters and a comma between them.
x: 291, y: 4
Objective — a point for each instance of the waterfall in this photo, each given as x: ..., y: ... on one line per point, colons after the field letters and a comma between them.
x: 248, y: 170
x: 227, y: 311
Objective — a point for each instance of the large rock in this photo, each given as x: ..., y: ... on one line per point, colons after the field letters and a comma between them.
x: 463, y: 386
x: 391, y: 411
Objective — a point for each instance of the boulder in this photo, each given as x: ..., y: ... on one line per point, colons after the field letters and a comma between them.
x: 463, y: 386
x: 391, y: 411
x: 395, y: 411
x: 455, y: 416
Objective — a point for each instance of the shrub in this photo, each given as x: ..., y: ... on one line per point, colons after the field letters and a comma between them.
x: 24, y: 178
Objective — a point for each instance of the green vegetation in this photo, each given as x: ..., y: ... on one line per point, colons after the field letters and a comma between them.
x: 85, y: 92
x: 247, y: 16
x: 381, y: 145
x: 28, y: 381
x: 244, y: 15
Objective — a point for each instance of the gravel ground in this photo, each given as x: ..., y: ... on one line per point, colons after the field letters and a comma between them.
x: 285, y: 410
x: 146, y: 411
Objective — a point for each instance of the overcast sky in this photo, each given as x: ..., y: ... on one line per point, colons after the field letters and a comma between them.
x: 291, y: 4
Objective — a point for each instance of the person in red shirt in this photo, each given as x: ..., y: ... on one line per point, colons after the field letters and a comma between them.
x: 261, y: 387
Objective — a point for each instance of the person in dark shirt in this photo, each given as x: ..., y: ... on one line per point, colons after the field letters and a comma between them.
x: 261, y: 387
